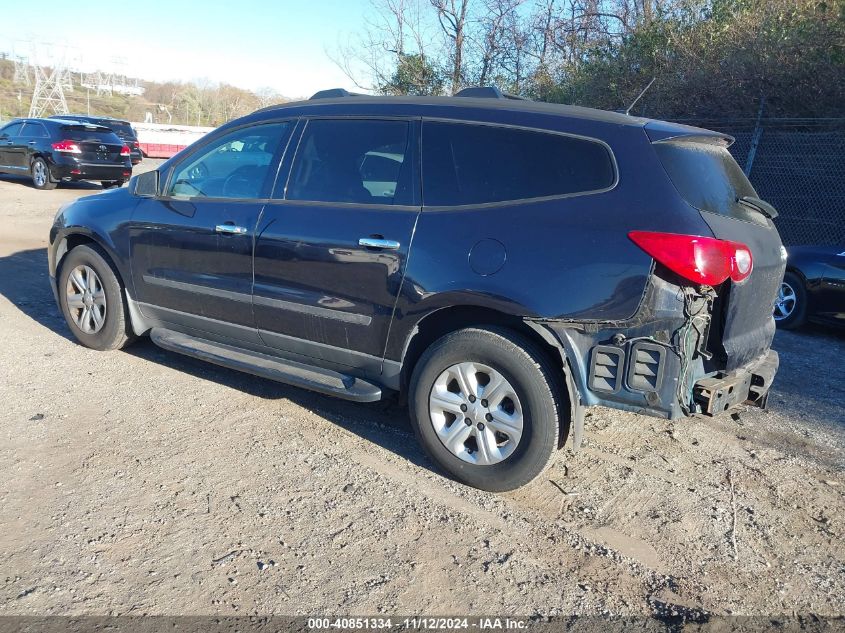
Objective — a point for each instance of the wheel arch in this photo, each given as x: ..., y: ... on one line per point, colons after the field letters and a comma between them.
x: 448, y: 319
x: 71, y: 240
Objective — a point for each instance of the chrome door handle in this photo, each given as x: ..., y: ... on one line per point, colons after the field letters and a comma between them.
x: 373, y: 242
x: 230, y: 229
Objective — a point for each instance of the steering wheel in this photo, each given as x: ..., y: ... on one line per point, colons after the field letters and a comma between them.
x: 237, y: 184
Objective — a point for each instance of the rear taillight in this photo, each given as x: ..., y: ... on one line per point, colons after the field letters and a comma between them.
x: 125, y: 151
x: 66, y: 147
x: 703, y: 260
x: 136, y: 144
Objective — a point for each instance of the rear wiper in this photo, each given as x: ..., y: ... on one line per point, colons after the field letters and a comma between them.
x: 759, y: 205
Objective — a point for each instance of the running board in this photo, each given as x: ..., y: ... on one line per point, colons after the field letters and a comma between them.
x: 278, y: 369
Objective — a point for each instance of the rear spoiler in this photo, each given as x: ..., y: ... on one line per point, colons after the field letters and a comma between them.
x: 665, y: 132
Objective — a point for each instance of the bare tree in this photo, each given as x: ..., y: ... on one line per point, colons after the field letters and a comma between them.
x: 452, y: 16
x: 393, y: 30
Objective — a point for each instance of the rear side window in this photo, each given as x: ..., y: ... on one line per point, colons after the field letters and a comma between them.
x: 707, y: 177
x: 35, y: 130
x: 359, y: 161
x: 476, y: 164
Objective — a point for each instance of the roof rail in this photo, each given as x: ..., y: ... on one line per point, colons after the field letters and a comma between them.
x: 333, y: 93
x: 487, y: 92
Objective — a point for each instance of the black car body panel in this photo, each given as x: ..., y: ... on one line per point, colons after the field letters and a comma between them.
x: 297, y: 279
x: 97, y: 155
x: 123, y: 130
x: 823, y: 270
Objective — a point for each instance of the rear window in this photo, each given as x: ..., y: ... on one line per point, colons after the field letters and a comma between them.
x: 708, y: 178
x: 122, y: 129
x: 477, y: 164
x: 83, y: 133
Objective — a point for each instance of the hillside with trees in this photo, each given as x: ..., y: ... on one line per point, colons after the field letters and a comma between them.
x: 186, y: 103
x: 709, y: 57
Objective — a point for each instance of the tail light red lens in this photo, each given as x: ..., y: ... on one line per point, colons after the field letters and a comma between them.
x: 125, y: 151
x: 66, y: 147
x: 702, y: 260
x: 136, y: 144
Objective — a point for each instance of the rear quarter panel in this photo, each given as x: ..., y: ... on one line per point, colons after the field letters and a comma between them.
x: 567, y: 258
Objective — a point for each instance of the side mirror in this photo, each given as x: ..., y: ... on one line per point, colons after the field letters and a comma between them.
x: 146, y: 184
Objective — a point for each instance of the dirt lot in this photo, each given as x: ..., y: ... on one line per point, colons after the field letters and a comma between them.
x: 142, y: 482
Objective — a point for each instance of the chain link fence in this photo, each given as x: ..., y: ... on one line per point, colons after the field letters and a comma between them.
x: 798, y: 165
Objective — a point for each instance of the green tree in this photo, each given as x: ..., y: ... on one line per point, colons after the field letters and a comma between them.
x: 414, y: 75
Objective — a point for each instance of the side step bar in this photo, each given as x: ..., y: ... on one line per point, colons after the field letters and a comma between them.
x: 278, y: 369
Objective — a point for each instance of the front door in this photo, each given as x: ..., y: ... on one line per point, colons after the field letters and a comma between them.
x: 330, y: 254
x: 191, y: 248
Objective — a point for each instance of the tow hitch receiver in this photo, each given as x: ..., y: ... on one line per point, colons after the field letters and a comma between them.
x: 748, y: 384
x: 716, y: 395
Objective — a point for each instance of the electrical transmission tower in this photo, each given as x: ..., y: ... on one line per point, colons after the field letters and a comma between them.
x: 52, y: 79
x: 21, y: 70
x: 48, y: 94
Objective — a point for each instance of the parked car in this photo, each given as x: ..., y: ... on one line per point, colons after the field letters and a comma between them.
x: 123, y: 129
x: 813, y: 287
x: 500, y: 263
x: 57, y: 150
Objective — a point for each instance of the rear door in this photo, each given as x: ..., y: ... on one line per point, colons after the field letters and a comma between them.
x: 331, y: 248
x: 34, y: 137
x: 709, y: 179
x: 191, y: 248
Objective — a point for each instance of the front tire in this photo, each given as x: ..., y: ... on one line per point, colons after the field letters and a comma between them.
x: 92, y: 300
x: 791, y: 303
x: 40, y: 173
x: 485, y: 406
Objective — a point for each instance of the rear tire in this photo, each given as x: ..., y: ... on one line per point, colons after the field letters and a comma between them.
x: 112, y: 184
x: 40, y: 173
x: 791, y: 303
x: 496, y: 445
x: 92, y: 300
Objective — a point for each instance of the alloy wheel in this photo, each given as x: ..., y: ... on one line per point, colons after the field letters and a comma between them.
x: 86, y: 299
x: 39, y: 173
x: 785, y: 302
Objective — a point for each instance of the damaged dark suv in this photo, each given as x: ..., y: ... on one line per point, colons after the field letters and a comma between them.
x: 501, y: 264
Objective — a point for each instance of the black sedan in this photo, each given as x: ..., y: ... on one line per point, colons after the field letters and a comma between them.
x: 813, y: 288
x: 51, y: 151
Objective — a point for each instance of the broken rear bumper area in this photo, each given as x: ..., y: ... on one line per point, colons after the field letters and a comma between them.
x: 746, y: 385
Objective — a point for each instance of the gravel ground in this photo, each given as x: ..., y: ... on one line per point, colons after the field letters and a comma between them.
x: 143, y: 482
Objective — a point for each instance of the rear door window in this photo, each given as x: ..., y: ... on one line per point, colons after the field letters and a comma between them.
x: 359, y: 161
x: 467, y: 164
x: 35, y: 130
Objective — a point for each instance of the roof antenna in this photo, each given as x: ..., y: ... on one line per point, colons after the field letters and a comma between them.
x: 640, y: 96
